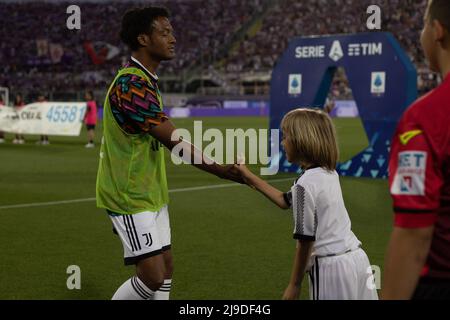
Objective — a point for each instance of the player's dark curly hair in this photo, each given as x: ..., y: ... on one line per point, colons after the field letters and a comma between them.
x: 138, y: 21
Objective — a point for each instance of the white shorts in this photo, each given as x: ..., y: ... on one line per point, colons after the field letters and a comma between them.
x: 143, y: 235
x: 342, y: 277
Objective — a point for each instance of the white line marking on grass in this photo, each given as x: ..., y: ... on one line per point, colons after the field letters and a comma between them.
x: 41, y: 204
x: 53, y: 203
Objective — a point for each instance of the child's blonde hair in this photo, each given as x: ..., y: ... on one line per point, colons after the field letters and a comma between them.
x: 313, y: 137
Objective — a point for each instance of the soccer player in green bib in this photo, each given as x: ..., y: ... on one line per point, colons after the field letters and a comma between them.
x: 131, y: 180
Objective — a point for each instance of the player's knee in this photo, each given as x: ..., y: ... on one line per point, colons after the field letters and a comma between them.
x: 156, y: 283
x: 169, y: 268
x: 169, y: 271
x: 152, y: 280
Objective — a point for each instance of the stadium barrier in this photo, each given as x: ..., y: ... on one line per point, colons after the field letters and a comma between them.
x: 44, y: 118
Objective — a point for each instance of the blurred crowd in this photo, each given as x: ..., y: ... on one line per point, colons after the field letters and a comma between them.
x: 38, y: 52
x: 292, y: 18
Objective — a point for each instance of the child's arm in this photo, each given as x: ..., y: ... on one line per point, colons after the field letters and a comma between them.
x: 273, y: 194
x: 302, y: 256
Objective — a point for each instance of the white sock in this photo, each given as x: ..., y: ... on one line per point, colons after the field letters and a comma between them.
x: 133, y: 289
x: 163, y: 292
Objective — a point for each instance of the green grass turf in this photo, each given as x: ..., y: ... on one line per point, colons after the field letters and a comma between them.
x: 228, y: 243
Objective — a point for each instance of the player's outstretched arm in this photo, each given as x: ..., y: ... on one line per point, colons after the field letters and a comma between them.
x: 166, y: 134
x: 273, y: 194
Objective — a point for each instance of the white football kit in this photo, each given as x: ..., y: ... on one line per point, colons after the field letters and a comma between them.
x: 339, y: 269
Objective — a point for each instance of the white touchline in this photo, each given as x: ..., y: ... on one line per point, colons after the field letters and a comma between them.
x: 53, y: 203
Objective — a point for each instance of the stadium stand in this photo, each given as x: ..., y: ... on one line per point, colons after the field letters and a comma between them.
x: 219, y: 42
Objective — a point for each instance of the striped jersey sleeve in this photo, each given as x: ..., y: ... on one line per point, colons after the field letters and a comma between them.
x: 304, y: 213
x: 288, y: 198
x: 135, y: 104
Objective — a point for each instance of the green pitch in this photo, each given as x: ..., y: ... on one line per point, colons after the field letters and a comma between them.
x: 228, y: 242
